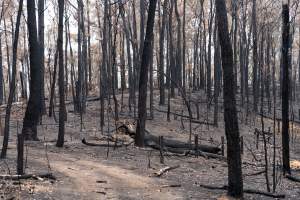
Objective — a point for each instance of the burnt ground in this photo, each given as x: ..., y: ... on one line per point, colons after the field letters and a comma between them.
x: 86, y: 172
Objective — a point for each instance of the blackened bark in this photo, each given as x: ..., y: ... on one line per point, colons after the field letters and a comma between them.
x: 171, y: 50
x: 184, y: 48
x: 72, y: 64
x: 127, y: 36
x: 52, y: 90
x: 114, y: 66
x: 32, y: 113
x: 122, y: 60
x: 103, y: 67
x: 235, y: 180
x: 1, y: 73
x: 66, y: 56
x: 299, y: 62
x: 7, y: 51
x: 142, y: 34
x: 61, y: 129
x: 254, y: 38
x: 151, y: 83
x: 84, y: 61
x: 161, y: 55
x: 208, y: 68
x: 217, y: 74
x: 12, y: 83
x: 20, y: 154
x: 41, y: 11
x: 145, y: 62
x: 285, y: 90
x: 178, y: 76
x: 89, y: 87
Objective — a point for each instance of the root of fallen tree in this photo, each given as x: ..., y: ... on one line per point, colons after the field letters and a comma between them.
x: 248, y: 191
x: 27, y: 176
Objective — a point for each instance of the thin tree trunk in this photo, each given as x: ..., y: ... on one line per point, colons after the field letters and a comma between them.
x: 61, y: 130
x: 254, y: 38
x: 178, y: 76
x: 285, y: 90
x: 1, y: 72
x: 171, y: 50
x: 161, y: 55
x: 13, y: 82
x: 52, y: 91
x: 184, y: 48
x: 103, y: 67
x: 66, y: 56
x: 89, y: 87
x: 217, y: 69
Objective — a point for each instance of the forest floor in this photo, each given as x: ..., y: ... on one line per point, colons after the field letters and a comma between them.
x: 85, y: 172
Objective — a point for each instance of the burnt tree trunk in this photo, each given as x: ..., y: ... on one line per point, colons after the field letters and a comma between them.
x: 32, y: 113
x: 254, y: 38
x: 235, y: 180
x: 41, y: 10
x: 161, y: 55
x: 61, y: 129
x: 217, y: 76
x: 1, y: 73
x: 285, y: 90
x: 145, y: 62
x: 12, y: 83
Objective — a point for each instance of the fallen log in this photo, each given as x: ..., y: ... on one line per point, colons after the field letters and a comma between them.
x: 292, y: 178
x: 193, y: 120
x: 186, y: 152
x: 255, y: 174
x: 164, y: 170
x: 174, y: 146
x: 248, y: 191
x: 200, y: 122
x: 100, y: 145
x: 152, y: 139
x: 171, y: 185
x: 27, y: 176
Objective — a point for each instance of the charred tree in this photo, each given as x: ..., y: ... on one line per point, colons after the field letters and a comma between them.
x: 41, y: 11
x: 285, y: 90
x: 12, y: 83
x: 235, y: 179
x: 145, y: 62
x: 32, y: 113
x: 1, y: 72
x: 61, y: 129
x: 161, y: 55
